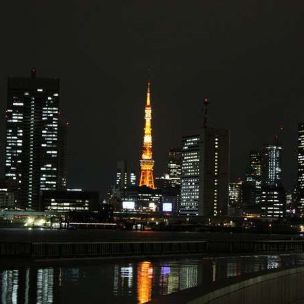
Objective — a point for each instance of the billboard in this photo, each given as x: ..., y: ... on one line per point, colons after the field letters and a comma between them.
x: 167, y: 207
x: 152, y: 206
x: 130, y: 205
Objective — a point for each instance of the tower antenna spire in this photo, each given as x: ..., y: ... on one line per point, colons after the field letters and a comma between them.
x: 148, y: 102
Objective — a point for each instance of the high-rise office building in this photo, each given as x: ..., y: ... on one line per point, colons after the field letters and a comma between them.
x: 255, y: 166
x: 235, y: 198
x: 300, y: 178
x: 271, y: 165
x: 273, y: 196
x: 190, y: 175
x: 251, y: 187
x: 32, y: 161
x: 62, y: 153
x: 214, y: 172
x: 175, y: 167
x: 147, y: 162
x: 205, y: 173
x: 235, y: 194
x: 124, y: 176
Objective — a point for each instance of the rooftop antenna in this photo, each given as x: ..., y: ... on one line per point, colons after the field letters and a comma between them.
x: 278, y: 135
x: 33, y: 72
x: 205, y: 110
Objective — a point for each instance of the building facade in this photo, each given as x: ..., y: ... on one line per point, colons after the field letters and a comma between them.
x: 124, y: 176
x: 272, y: 164
x: 190, y: 175
x: 300, y: 177
x: 32, y: 162
x: 7, y: 199
x: 273, y: 198
x: 214, y: 172
x: 141, y: 200
x: 235, y: 194
x: 175, y: 167
x: 251, y: 188
x: 72, y: 200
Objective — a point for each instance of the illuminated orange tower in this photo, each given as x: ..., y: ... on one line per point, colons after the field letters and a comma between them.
x: 146, y: 162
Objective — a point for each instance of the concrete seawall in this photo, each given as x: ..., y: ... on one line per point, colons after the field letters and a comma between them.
x: 285, y: 286
x: 143, y: 248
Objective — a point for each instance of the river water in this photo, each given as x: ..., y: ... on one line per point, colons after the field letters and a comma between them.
x: 127, y: 281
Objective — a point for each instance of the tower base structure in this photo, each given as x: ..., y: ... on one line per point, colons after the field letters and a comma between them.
x: 146, y: 173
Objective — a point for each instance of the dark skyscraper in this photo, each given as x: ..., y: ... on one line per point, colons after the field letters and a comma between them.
x: 32, y: 161
x: 300, y: 179
x: 251, y: 187
x: 255, y: 166
x: 214, y: 172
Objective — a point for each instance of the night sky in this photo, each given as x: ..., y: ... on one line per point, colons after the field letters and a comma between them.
x: 246, y: 56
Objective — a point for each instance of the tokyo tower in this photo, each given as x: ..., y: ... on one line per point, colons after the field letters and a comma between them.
x: 146, y: 162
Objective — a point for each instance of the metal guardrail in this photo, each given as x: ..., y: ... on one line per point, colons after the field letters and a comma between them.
x: 258, y: 246
x: 98, y: 249
x: 138, y: 248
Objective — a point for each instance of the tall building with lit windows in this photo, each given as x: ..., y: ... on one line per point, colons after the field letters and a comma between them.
x: 300, y: 178
x: 32, y: 161
x: 124, y: 176
x: 190, y: 175
x: 214, y: 172
x: 235, y: 194
x: 273, y: 198
x: 271, y: 165
x: 251, y: 187
x: 205, y: 173
x: 175, y: 167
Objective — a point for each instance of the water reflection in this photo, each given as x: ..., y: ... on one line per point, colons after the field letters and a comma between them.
x: 127, y: 282
x: 9, y: 284
x: 25, y: 285
x: 144, y: 282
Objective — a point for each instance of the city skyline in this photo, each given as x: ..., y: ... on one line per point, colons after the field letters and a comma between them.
x: 182, y: 73
x: 160, y: 171
x: 151, y: 151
